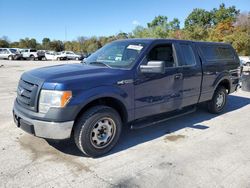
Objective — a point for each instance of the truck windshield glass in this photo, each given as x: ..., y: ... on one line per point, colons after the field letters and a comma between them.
x: 120, y: 54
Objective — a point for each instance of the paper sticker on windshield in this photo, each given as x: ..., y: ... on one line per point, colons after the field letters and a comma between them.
x: 135, y: 47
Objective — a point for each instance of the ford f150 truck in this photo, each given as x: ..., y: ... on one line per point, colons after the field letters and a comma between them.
x: 134, y: 82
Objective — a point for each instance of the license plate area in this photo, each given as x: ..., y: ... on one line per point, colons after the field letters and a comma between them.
x: 16, y: 120
x: 24, y: 125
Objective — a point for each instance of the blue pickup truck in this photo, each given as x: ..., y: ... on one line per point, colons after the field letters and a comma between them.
x: 135, y: 82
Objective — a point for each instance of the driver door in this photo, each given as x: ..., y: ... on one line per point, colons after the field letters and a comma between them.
x: 158, y: 93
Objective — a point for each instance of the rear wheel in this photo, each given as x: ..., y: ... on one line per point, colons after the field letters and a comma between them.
x: 97, y: 131
x: 32, y: 58
x: 219, y: 101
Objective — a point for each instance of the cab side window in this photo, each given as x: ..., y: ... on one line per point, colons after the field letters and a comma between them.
x: 162, y: 53
x: 188, y: 55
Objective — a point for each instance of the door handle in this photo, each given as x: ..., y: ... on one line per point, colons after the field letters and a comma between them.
x: 178, y: 76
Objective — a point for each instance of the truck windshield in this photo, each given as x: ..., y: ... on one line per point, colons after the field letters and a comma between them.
x: 120, y: 54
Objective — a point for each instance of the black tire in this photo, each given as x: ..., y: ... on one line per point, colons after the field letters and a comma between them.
x: 10, y: 58
x: 32, y: 58
x: 219, y: 101
x: 87, y: 125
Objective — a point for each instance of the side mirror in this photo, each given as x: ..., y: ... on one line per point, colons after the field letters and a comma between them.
x: 153, y: 67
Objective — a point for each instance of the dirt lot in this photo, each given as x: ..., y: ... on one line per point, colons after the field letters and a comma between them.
x: 197, y: 150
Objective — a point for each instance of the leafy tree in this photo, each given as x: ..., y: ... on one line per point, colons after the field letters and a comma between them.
x: 224, y: 14
x: 80, y: 41
x: 240, y: 37
x: 32, y: 43
x: 103, y: 40
x: 159, y: 27
x: 14, y: 44
x: 46, y: 43
x: 68, y: 46
x: 220, y: 31
x: 158, y: 21
x: 27, y: 43
x: 56, y: 45
x: 196, y: 33
x: 174, y: 24
x: 122, y: 35
x: 198, y: 18
x: 141, y: 32
x: 4, y: 43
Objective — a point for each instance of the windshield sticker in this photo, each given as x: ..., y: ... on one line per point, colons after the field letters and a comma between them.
x: 135, y: 47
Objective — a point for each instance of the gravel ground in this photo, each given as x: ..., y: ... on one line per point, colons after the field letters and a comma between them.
x: 197, y: 150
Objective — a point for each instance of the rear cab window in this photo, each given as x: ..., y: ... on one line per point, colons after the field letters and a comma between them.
x: 217, y: 52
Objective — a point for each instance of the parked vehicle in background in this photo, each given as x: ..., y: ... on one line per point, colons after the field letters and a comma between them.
x: 18, y: 50
x: 41, y: 54
x: 51, y: 55
x: 135, y: 82
x: 245, y: 60
x: 72, y: 56
x: 10, y: 54
x: 30, y: 54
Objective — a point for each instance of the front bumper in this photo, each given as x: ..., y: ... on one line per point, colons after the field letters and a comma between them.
x: 44, y: 129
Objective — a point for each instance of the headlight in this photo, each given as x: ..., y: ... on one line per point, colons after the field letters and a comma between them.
x: 51, y: 98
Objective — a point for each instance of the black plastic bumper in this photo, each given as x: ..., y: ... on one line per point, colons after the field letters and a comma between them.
x: 54, y: 114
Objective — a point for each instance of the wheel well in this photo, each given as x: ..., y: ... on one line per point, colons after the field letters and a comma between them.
x: 108, y: 101
x: 226, y: 84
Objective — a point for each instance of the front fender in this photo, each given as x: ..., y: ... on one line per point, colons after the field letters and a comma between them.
x: 84, y: 97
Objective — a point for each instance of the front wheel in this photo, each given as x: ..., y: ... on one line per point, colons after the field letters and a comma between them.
x: 97, y: 131
x: 219, y: 101
x: 10, y: 58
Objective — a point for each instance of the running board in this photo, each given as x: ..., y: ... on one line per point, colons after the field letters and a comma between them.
x: 176, y: 114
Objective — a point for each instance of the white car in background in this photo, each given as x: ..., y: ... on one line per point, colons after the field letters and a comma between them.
x: 30, y: 54
x: 55, y: 56
x: 71, y: 55
x: 10, y: 54
x: 245, y: 60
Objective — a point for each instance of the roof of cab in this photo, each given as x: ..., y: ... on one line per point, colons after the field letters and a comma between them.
x: 150, y: 40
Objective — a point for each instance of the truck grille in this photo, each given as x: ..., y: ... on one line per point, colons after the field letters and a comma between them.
x: 27, y: 94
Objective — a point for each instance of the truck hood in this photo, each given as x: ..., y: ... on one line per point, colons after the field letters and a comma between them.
x: 77, y: 75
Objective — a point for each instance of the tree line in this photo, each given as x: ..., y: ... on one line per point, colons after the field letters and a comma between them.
x: 222, y: 24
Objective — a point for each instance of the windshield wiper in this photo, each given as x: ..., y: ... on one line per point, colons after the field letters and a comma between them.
x: 98, y: 63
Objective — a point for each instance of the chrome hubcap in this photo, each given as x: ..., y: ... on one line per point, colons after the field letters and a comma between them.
x: 103, y: 132
x: 220, y: 100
